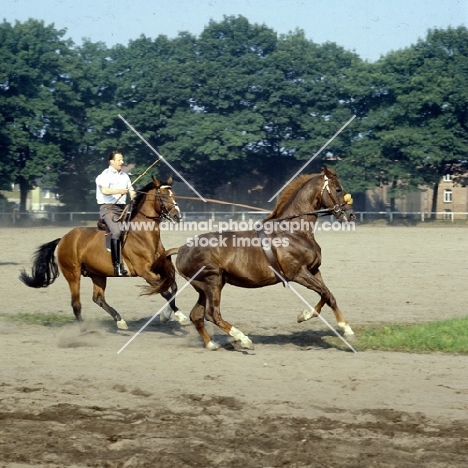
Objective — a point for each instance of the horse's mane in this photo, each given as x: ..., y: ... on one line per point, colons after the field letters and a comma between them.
x: 292, y: 189
x: 288, y: 192
x: 140, y: 196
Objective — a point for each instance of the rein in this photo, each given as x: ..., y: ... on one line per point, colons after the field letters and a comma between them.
x: 322, y: 211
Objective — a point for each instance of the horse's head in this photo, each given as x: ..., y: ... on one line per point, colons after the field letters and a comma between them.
x: 335, y: 198
x: 166, y: 205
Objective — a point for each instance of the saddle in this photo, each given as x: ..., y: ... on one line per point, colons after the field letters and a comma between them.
x: 101, y: 225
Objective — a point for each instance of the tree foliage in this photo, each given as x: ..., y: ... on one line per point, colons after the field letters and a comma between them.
x: 413, y: 115
x: 237, y: 100
x: 35, y: 97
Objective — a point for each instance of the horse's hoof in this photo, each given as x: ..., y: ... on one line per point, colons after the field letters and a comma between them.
x: 212, y: 346
x: 122, y: 325
x: 306, y: 315
x: 247, y: 344
x: 351, y: 338
x: 182, y: 319
x: 165, y: 318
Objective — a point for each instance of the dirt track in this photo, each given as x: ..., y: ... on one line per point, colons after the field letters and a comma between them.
x: 69, y: 400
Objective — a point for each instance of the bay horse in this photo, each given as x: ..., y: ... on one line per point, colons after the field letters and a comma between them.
x: 284, y: 241
x: 82, y: 252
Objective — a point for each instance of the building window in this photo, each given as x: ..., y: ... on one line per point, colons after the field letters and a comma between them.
x: 448, y: 214
x: 447, y: 178
x: 447, y: 196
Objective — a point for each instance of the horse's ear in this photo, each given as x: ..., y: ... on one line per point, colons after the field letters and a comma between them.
x: 169, y: 181
x: 329, y: 172
x: 156, y: 182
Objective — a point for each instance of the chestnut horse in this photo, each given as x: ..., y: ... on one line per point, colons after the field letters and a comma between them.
x: 82, y: 251
x: 283, y: 245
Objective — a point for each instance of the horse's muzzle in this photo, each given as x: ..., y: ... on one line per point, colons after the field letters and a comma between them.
x: 350, y: 215
x: 346, y: 217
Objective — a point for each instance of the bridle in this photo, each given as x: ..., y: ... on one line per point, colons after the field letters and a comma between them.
x: 165, y: 208
x: 337, y: 209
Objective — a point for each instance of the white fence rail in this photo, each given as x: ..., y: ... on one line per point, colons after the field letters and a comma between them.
x: 15, y: 217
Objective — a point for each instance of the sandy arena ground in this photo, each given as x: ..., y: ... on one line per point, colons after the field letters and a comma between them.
x: 68, y: 399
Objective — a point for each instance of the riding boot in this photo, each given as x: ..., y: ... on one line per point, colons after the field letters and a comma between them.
x: 119, y: 269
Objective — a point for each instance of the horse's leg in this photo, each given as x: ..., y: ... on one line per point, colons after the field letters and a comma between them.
x: 172, y: 307
x: 197, y: 316
x: 315, y: 282
x: 73, y: 278
x: 213, y: 314
x: 99, y: 286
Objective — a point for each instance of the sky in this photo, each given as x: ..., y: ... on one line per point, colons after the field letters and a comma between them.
x: 370, y: 28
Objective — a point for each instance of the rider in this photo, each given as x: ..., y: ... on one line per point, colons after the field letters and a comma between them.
x: 112, y: 187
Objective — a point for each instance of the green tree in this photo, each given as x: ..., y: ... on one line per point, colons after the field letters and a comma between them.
x: 34, y: 97
x: 412, y: 105
x: 154, y: 81
x: 93, y: 113
x: 212, y: 137
x: 303, y: 103
x: 261, y: 105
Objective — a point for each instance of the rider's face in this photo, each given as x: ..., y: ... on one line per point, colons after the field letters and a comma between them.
x: 117, y: 162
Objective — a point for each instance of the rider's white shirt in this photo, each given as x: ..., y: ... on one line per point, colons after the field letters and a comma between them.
x: 111, y: 178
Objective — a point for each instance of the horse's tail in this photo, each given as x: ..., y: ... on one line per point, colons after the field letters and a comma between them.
x: 45, y: 269
x: 166, y: 272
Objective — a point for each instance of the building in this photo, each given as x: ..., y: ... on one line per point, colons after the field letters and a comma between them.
x: 451, y: 200
x: 39, y: 199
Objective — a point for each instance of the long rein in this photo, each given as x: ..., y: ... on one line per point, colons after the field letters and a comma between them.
x: 320, y: 212
x: 338, y: 208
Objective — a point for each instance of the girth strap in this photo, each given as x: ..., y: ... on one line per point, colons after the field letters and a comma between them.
x: 269, y: 253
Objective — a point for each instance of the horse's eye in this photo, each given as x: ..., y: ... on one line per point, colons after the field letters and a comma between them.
x: 338, y: 190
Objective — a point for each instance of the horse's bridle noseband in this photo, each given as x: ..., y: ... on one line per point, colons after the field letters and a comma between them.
x: 337, y: 209
x: 165, y: 210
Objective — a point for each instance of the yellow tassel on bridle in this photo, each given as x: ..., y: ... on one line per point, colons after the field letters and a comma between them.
x: 348, y: 199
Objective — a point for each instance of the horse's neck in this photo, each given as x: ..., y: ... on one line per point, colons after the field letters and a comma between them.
x: 147, y: 209
x: 304, y: 203
x: 144, y: 225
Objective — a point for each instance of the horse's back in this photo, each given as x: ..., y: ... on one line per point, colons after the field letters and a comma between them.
x: 80, y: 236
x: 79, y: 245
x: 222, y: 254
